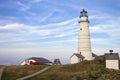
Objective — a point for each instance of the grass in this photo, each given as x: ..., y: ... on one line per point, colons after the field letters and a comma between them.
x: 87, y: 70
x: 1, y: 66
x: 14, y: 72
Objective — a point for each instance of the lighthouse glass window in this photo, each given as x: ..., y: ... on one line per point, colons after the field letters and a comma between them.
x: 84, y: 14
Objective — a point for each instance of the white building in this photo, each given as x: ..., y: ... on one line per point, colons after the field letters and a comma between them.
x: 36, y: 61
x: 76, y: 58
x: 112, y: 60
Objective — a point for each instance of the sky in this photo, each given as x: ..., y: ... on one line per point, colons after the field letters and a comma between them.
x: 49, y: 28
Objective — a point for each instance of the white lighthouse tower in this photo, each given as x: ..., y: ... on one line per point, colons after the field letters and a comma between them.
x: 84, y: 44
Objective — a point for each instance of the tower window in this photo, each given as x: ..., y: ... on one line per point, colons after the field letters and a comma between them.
x: 81, y: 29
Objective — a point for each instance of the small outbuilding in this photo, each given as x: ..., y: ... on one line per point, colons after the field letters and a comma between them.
x: 112, y: 60
x: 76, y: 57
x: 36, y: 61
x: 56, y: 62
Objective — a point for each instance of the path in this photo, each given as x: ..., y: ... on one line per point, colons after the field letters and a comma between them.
x: 1, y: 71
x: 34, y: 74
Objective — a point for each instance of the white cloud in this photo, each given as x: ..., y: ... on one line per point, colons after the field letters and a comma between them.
x: 99, y: 16
x: 71, y: 21
x: 105, y: 24
x: 101, y: 51
x: 11, y: 40
x: 96, y: 29
x: 46, y: 17
x: 24, y: 7
x: 7, y: 20
x: 64, y: 24
x: 23, y: 32
x: 109, y: 27
x: 11, y: 26
x: 60, y: 30
x: 24, y: 29
x: 100, y: 42
x: 60, y: 35
x: 36, y: 1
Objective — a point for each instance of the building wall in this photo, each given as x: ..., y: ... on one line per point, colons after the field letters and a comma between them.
x: 113, y: 64
x: 23, y: 63
x: 74, y: 59
x: 27, y: 62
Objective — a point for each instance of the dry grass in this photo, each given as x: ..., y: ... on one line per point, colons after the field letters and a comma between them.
x: 14, y: 72
x: 87, y: 70
x: 1, y: 66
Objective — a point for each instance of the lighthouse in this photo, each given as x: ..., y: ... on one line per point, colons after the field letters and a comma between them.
x: 84, y: 44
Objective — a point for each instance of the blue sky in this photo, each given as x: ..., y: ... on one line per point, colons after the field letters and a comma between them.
x: 49, y: 28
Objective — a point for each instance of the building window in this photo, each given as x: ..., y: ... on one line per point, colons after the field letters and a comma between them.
x: 81, y: 29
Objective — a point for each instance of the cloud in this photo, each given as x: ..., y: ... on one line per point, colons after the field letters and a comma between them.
x: 100, y: 42
x: 96, y: 29
x: 7, y: 20
x: 105, y: 25
x: 36, y: 1
x: 46, y: 17
x: 58, y: 32
x: 101, y: 51
x: 22, y: 32
x: 23, y: 7
x: 67, y: 24
x: 23, y: 29
x: 11, y: 40
x: 109, y: 27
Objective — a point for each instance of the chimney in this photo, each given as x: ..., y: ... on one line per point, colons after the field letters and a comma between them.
x: 111, y: 52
